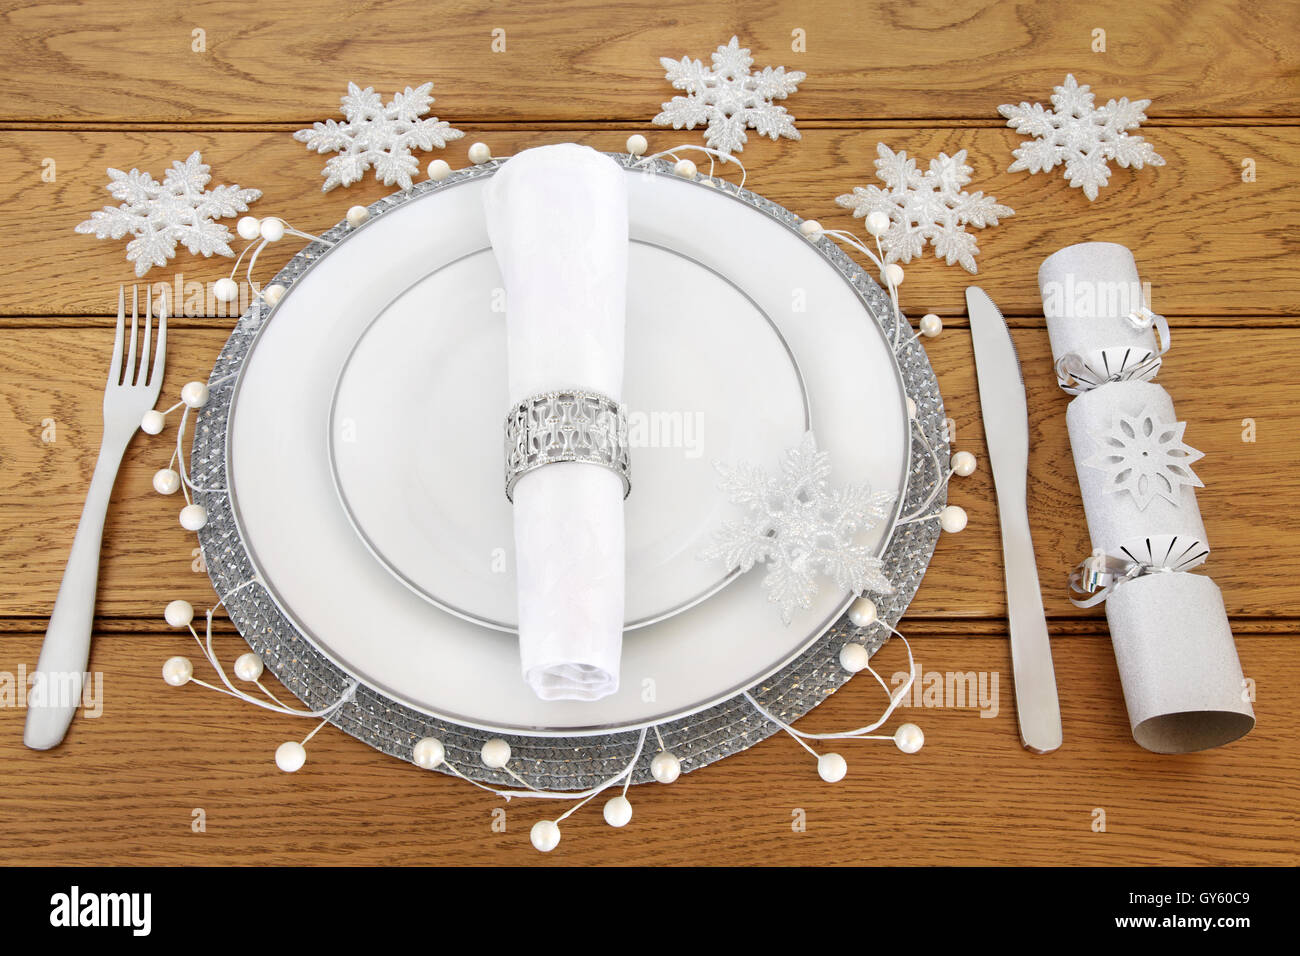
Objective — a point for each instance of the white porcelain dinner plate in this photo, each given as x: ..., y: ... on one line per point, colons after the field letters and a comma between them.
x: 365, y: 450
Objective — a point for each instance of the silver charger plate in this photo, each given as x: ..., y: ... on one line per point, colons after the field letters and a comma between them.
x: 561, y: 762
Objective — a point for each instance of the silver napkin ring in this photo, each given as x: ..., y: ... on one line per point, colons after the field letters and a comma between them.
x: 570, y: 424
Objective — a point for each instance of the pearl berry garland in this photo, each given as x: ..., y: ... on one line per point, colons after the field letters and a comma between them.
x: 429, y: 752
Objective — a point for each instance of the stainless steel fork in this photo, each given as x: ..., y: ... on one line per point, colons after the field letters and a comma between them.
x: 132, y: 390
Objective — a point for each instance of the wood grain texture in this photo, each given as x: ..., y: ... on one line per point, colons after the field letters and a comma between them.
x: 1202, y: 235
x: 123, y: 787
x: 57, y: 374
x: 589, y: 60
x: 93, y: 84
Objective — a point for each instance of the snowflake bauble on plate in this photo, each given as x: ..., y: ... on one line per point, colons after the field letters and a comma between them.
x: 926, y: 206
x: 378, y: 135
x: 800, y: 528
x: 1147, y: 458
x: 1082, y: 136
x: 180, y: 209
x: 729, y: 98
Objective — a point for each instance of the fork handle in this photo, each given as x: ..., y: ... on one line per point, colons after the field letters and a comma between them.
x: 56, y: 691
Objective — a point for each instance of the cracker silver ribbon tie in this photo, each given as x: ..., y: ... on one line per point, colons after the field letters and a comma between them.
x: 1099, y: 575
x: 1076, y: 376
x: 570, y: 424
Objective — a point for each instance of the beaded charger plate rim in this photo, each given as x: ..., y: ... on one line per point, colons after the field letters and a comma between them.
x: 567, y: 762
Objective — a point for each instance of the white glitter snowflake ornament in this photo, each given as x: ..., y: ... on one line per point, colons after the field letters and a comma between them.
x: 1147, y: 458
x: 800, y: 528
x: 180, y: 209
x: 379, y: 136
x: 1084, y: 137
x: 925, y: 207
x: 729, y: 98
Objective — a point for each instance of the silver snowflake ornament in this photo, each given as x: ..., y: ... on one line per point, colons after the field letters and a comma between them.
x: 1146, y: 457
x: 378, y: 135
x: 800, y: 528
x: 928, y: 206
x: 180, y: 209
x: 1086, y: 138
x: 729, y: 98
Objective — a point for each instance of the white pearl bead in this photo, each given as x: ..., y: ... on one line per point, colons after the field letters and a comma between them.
x: 545, y: 835
x: 931, y: 325
x: 911, y: 407
x: 665, y: 767
x: 636, y: 144
x: 892, y: 274
x: 685, y: 169
x: 909, y: 738
x: 358, y: 215
x: 166, y: 481
x: 194, y: 517
x: 273, y: 294
x: 618, y: 811
x: 963, y: 463
x: 952, y: 518
x: 479, y: 154
x: 495, y: 753
x: 248, y: 666
x: 225, y: 290
x: 878, y: 223
x: 832, y: 767
x: 248, y: 227
x: 811, y: 229
x: 272, y: 229
x: 195, y: 394
x: 862, y: 612
x: 439, y: 170
x: 290, y: 756
x: 177, y: 671
x: 853, y: 657
x: 178, y: 613
x: 151, y: 423
x: 428, y: 753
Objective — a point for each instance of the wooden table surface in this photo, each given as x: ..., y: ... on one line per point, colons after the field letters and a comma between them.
x: 96, y: 84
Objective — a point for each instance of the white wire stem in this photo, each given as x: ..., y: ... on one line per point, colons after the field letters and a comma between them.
x: 919, y: 514
x: 178, y: 456
x: 707, y: 150
x: 205, y: 645
x: 878, y: 260
x: 581, y: 796
x: 862, y: 733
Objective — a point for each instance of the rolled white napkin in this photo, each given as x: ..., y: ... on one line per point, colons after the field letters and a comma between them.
x: 557, y: 218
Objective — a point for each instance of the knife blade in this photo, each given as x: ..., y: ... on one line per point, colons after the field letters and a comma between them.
x: 1006, y: 427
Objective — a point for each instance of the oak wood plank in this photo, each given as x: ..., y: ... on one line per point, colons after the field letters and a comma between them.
x: 1208, y: 244
x: 57, y: 374
x: 123, y: 787
x: 584, y: 60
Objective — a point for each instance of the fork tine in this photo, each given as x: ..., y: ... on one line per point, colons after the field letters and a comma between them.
x: 129, y: 375
x: 142, y: 370
x: 115, y: 370
x: 155, y: 377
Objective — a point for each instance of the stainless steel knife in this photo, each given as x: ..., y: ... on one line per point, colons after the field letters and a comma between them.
x: 1006, y: 428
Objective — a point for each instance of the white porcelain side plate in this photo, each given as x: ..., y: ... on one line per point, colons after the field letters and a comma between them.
x: 715, y: 272
x: 417, y: 423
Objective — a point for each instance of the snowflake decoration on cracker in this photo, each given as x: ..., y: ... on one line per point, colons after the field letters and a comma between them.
x: 799, y: 527
x: 1147, y: 458
x: 926, y: 206
x: 180, y: 209
x: 1082, y: 136
x: 729, y: 98
x: 377, y: 135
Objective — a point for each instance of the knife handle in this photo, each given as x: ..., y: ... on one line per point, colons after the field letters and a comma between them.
x: 1038, y: 709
